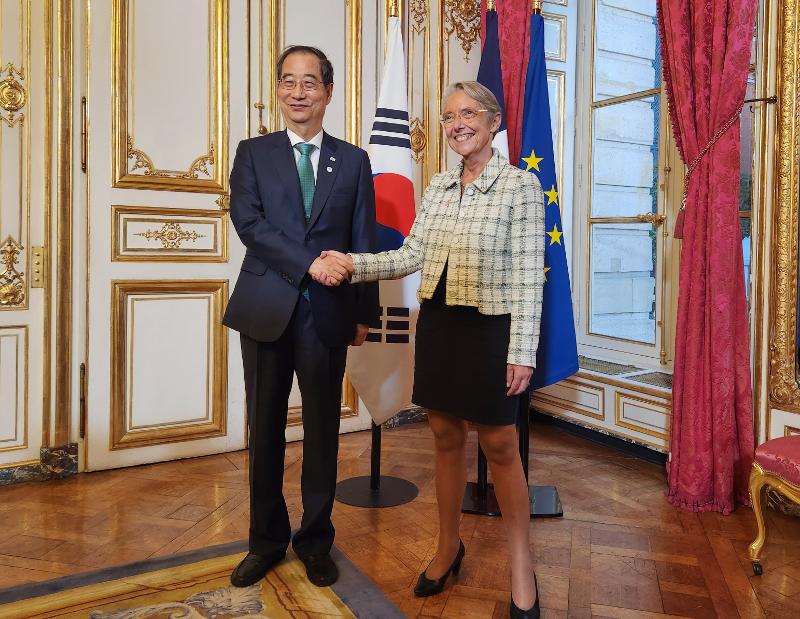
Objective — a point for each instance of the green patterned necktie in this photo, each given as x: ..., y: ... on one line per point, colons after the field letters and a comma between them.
x: 306, y: 172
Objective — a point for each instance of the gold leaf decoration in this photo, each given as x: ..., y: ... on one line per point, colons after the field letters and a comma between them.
x: 463, y: 17
x: 171, y: 235
x: 419, y: 139
x: 12, y: 284
x: 418, y: 10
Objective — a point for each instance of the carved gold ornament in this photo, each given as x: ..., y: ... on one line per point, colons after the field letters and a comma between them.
x: 13, y: 96
x: 171, y: 235
x: 419, y: 140
x: 464, y: 18
x: 142, y: 161
x: 12, y: 286
x: 418, y: 10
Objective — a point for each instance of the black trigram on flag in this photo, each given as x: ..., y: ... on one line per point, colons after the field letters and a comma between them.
x: 392, y: 328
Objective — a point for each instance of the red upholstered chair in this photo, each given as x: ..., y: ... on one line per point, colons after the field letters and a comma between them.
x: 777, y: 465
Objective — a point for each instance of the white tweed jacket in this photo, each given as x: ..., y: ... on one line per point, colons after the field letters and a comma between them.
x: 491, y: 238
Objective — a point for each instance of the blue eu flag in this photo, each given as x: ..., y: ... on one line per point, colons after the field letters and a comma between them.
x: 557, y: 357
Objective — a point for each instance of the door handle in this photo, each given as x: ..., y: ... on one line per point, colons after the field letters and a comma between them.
x: 656, y: 219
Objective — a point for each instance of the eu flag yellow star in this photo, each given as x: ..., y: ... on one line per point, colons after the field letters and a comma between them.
x: 532, y: 161
x: 546, y: 269
x: 552, y: 195
x: 554, y: 234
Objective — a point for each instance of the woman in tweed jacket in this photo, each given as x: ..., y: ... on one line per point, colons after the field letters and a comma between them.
x: 478, y: 239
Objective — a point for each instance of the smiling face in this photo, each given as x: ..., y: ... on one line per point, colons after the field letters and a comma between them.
x: 469, y: 138
x: 303, y: 108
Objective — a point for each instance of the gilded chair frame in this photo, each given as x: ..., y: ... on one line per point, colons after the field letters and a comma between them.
x: 759, y: 478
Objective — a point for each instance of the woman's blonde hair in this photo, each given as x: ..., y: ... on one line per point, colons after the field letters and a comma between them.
x: 476, y: 91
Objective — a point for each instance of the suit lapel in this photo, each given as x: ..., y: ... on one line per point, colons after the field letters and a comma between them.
x: 327, y: 170
x: 286, y: 167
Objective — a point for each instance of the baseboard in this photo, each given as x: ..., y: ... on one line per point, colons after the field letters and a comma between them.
x: 612, y: 442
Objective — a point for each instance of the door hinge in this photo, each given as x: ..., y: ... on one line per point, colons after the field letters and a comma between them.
x: 84, y: 134
x: 38, y: 266
x: 82, y: 400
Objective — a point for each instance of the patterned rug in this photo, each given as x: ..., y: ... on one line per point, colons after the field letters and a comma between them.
x: 196, y: 585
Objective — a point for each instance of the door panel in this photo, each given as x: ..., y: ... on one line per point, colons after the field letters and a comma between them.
x: 26, y: 37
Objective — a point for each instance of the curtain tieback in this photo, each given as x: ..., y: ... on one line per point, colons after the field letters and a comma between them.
x: 678, y: 232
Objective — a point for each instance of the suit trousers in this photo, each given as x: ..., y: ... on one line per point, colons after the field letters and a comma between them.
x: 268, y: 372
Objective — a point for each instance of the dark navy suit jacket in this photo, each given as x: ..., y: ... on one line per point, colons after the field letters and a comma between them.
x: 267, y: 212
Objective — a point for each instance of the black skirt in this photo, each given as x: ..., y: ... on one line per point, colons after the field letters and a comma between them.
x: 460, y: 361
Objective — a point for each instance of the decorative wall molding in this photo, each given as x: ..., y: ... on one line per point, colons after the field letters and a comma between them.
x: 463, y: 17
x: 12, y: 281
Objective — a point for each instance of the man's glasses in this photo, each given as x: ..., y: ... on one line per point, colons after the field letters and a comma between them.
x: 306, y: 85
x: 466, y: 115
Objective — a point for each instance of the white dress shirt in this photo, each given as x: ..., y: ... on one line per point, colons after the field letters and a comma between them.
x: 314, y: 156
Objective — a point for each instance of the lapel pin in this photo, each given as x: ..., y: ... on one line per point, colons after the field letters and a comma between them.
x: 330, y: 169
x: 333, y: 158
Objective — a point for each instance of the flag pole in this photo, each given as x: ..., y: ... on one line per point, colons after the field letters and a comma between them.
x: 479, y: 496
x: 376, y: 490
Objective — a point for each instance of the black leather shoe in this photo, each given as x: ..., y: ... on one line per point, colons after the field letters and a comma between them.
x: 253, y: 568
x: 533, y: 612
x: 426, y: 586
x: 321, y: 570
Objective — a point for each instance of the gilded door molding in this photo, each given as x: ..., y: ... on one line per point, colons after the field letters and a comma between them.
x: 126, y: 431
x: 135, y: 168
x: 784, y: 391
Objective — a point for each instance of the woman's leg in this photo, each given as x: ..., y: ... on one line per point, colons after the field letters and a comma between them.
x: 500, y: 445
x: 450, y: 437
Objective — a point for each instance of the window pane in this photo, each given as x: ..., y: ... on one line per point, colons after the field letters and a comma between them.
x: 625, y: 158
x: 622, y: 295
x: 746, y: 148
x: 626, y: 55
x: 745, y: 225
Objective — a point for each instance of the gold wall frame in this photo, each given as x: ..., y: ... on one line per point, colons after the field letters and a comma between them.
x: 784, y: 391
x: 124, y: 148
x: 120, y: 436
x: 159, y: 216
x: 20, y: 333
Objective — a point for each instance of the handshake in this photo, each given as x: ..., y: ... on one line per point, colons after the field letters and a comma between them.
x: 331, y: 268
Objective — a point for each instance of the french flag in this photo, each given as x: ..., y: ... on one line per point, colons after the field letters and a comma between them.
x: 382, y: 370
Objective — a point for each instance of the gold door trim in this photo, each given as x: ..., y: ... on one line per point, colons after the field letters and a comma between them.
x: 159, y: 217
x: 122, y: 436
x: 125, y: 150
x: 784, y: 391
x: 20, y: 334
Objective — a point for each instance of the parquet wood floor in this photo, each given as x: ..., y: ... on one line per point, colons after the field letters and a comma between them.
x: 620, y: 551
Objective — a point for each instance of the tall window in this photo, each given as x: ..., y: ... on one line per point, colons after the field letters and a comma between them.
x: 627, y: 126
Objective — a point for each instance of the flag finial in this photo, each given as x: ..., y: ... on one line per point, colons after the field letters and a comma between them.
x: 490, y: 5
x: 537, y: 6
x: 394, y: 8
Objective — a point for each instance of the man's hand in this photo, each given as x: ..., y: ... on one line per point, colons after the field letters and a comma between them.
x: 361, y: 335
x: 344, y: 260
x: 327, y: 271
x: 518, y: 377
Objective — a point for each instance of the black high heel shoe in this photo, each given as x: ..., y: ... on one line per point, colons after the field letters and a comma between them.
x: 426, y: 586
x: 533, y: 612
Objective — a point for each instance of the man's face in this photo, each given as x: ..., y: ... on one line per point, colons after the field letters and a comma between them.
x: 301, y: 94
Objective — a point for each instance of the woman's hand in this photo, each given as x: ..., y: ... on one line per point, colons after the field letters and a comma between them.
x: 518, y: 377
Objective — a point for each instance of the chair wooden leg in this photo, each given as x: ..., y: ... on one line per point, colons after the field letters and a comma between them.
x: 757, y: 482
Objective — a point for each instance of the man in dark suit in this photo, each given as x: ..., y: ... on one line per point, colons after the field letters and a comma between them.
x: 295, y: 193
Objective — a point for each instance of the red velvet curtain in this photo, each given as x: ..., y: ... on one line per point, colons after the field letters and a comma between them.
x: 705, y: 48
x: 513, y: 19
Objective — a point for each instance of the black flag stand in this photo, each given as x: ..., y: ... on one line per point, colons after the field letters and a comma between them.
x: 375, y: 490
x: 479, y: 497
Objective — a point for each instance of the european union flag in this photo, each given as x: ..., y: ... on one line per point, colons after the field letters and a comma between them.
x: 557, y: 357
